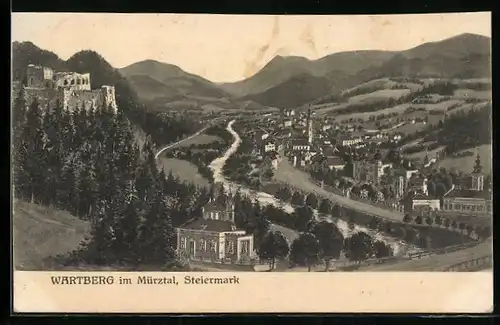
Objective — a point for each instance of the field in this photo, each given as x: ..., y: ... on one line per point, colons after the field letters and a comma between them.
x: 186, y: 171
x: 379, y: 95
x: 421, y: 154
x: 439, y: 106
x: 365, y: 115
x: 409, y: 128
x: 384, y: 83
x: 469, y: 93
x: 200, y: 139
x: 41, y: 233
x: 466, y: 164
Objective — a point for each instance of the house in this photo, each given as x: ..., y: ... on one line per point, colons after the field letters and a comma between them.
x: 425, y: 203
x: 215, y: 237
x: 347, y: 141
x: 269, y: 145
x: 288, y: 123
x: 417, y: 184
x: 474, y: 200
x: 369, y: 170
x: 335, y: 162
x: 300, y: 145
x: 468, y: 202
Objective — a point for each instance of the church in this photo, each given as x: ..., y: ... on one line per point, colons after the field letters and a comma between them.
x: 214, y: 237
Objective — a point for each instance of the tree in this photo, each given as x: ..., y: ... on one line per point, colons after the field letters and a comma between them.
x: 337, y: 211
x: 297, y: 198
x: 312, y: 201
x: 358, y: 247
x: 410, y: 236
x: 382, y: 249
x: 478, y: 168
x: 418, y: 220
x: 407, y: 218
x: 470, y: 229
x: 374, y: 223
x: 431, y: 189
x: 438, y: 220
x: 274, y: 246
x: 324, y: 206
x: 305, y: 251
x: 283, y: 194
x: 429, y: 221
x: 304, y: 216
x: 330, y: 240
x: 157, y: 233
x: 440, y: 190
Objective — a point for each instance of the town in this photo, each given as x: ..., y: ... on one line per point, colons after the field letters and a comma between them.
x: 365, y: 179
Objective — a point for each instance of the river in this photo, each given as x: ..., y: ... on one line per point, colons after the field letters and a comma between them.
x: 399, y: 247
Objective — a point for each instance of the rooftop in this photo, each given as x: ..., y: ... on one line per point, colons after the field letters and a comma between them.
x: 210, y: 225
x: 214, y: 206
x: 469, y: 194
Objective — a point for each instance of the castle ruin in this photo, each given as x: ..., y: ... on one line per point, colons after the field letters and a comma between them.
x: 71, y: 89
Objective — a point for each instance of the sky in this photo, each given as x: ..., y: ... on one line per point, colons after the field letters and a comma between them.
x: 228, y: 48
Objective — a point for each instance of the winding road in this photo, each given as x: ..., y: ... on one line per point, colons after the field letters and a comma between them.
x: 299, y: 179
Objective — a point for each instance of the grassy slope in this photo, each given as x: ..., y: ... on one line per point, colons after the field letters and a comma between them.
x: 466, y: 164
x: 41, y: 232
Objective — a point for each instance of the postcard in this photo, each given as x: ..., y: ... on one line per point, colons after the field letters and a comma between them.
x: 168, y: 163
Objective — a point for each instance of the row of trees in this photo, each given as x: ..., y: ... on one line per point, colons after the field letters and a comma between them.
x: 323, y: 243
x: 449, y: 223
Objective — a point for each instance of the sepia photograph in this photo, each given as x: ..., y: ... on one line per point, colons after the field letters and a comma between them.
x: 224, y: 143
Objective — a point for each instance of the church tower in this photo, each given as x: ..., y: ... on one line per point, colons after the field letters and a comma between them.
x: 477, y: 181
x: 309, y: 127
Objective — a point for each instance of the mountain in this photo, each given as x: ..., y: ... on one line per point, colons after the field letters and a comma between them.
x: 154, y: 81
x: 299, y: 89
x: 280, y: 68
x: 463, y: 56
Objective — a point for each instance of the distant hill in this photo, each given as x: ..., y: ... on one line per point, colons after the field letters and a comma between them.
x: 25, y: 53
x: 159, y: 82
x: 280, y: 68
x: 462, y: 56
x: 299, y: 89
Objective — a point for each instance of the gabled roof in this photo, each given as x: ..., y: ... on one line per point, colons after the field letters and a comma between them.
x: 214, y: 206
x: 210, y: 225
x: 334, y: 161
x: 469, y: 194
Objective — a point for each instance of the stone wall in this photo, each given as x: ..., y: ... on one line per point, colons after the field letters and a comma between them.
x: 46, y: 97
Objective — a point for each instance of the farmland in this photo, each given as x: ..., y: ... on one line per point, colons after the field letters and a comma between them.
x: 379, y: 95
x: 184, y: 170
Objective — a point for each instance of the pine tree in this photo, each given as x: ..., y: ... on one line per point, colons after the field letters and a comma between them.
x: 34, y: 164
x: 67, y: 198
x: 99, y: 249
x: 157, y: 234
x: 87, y: 190
x: 478, y: 168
